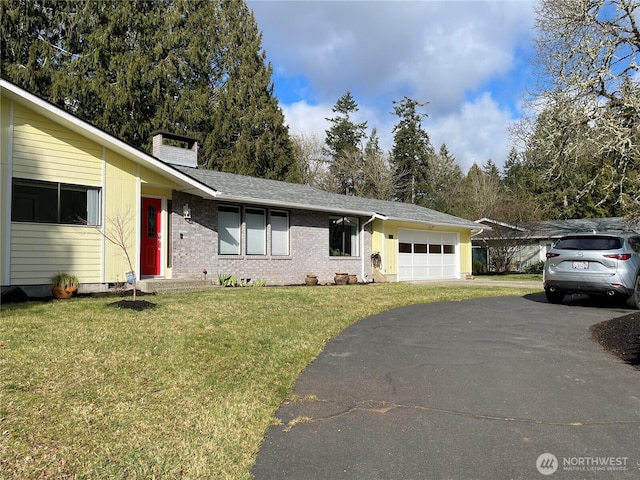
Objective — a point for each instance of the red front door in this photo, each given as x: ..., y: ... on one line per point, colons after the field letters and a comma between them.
x: 150, y: 247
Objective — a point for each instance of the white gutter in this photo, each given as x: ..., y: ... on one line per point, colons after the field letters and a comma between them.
x: 502, y: 224
x: 373, y: 217
x: 466, y: 226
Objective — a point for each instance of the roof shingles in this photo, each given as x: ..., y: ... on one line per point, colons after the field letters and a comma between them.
x: 234, y: 187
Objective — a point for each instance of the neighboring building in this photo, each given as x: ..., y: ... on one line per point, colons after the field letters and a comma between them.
x: 529, y: 241
x: 65, y: 186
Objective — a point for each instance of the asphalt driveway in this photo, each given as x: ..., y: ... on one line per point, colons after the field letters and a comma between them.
x: 493, y: 388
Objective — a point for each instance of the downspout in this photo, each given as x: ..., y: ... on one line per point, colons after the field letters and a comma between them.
x: 477, y: 232
x: 474, y: 234
x: 373, y: 217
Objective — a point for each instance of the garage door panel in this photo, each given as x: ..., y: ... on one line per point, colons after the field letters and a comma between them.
x: 427, y: 255
x: 436, y: 272
x: 421, y: 273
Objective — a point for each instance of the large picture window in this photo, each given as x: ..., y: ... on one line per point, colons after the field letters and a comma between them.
x: 51, y: 202
x: 231, y: 240
x: 228, y: 230
x: 343, y: 236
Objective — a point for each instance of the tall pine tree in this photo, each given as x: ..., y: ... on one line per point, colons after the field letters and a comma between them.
x: 30, y: 43
x: 193, y: 67
x: 249, y: 135
x: 344, y: 142
x: 445, y: 181
x: 411, y: 152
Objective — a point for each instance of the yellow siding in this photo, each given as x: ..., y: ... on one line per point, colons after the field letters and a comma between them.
x: 43, y: 150
x: 156, y: 192
x: 465, y: 252
x: 388, y: 247
x: 40, y: 250
x: 5, y: 183
x: 121, y: 215
x: 147, y: 177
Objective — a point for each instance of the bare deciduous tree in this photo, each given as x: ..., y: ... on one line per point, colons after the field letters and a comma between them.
x: 117, y: 231
x: 310, y: 159
x: 588, y: 86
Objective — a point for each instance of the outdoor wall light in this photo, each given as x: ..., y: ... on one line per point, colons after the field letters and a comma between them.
x: 186, y: 211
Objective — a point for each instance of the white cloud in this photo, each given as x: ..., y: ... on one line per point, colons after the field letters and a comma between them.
x: 474, y: 134
x: 303, y: 118
x: 447, y: 53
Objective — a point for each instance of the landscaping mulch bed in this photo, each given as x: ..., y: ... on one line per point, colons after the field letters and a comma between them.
x: 17, y: 295
x: 137, y: 305
x: 621, y: 337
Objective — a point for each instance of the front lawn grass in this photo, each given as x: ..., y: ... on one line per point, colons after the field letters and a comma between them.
x: 184, y: 390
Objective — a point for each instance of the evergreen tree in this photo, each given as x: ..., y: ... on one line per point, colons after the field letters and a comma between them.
x: 492, y: 170
x: 344, y: 142
x: 562, y: 169
x: 411, y: 152
x: 249, y: 135
x: 114, y: 76
x: 192, y: 67
x: 526, y: 206
x: 344, y: 134
x: 513, y: 170
x: 30, y: 43
x: 445, y: 181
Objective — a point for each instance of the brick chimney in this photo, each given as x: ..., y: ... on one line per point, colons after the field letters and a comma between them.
x: 175, y: 149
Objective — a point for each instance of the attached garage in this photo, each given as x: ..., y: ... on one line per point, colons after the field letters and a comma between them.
x: 428, y: 255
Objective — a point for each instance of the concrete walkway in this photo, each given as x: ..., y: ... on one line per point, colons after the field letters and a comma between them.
x: 481, y: 281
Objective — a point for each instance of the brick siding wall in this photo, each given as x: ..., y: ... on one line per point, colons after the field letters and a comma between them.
x: 195, y: 247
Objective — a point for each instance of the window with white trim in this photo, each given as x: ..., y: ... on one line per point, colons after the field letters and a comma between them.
x: 279, y: 233
x: 255, y: 219
x: 228, y: 230
x: 343, y: 236
x: 52, y: 202
x: 230, y: 224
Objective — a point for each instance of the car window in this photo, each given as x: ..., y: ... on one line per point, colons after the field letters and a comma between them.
x: 589, y: 243
x: 635, y: 244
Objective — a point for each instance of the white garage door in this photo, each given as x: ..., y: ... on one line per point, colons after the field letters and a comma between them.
x: 427, y: 255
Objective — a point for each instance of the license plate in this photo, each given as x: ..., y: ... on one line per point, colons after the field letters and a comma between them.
x: 581, y: 265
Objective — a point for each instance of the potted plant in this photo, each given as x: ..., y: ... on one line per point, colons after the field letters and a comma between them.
x: 64, y: 285
x: 341, y: 278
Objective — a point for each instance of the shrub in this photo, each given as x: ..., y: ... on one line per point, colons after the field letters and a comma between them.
x: 479, y: 267
x: 534, y: 267
x: 228, y: 280
x: 64, y: 280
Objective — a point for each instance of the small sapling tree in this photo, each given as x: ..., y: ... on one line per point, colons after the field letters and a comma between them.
x: 116, y: 232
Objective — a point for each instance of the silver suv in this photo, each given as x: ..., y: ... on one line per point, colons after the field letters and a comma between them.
x: 595, y: 264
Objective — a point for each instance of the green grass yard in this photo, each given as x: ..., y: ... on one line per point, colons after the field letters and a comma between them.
x: 184, y: 390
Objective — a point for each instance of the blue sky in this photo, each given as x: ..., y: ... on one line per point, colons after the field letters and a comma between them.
x: 470, y: 60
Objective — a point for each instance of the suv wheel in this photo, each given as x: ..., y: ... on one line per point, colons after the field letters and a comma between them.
x: 634, y: 300
x: 555, y: 296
